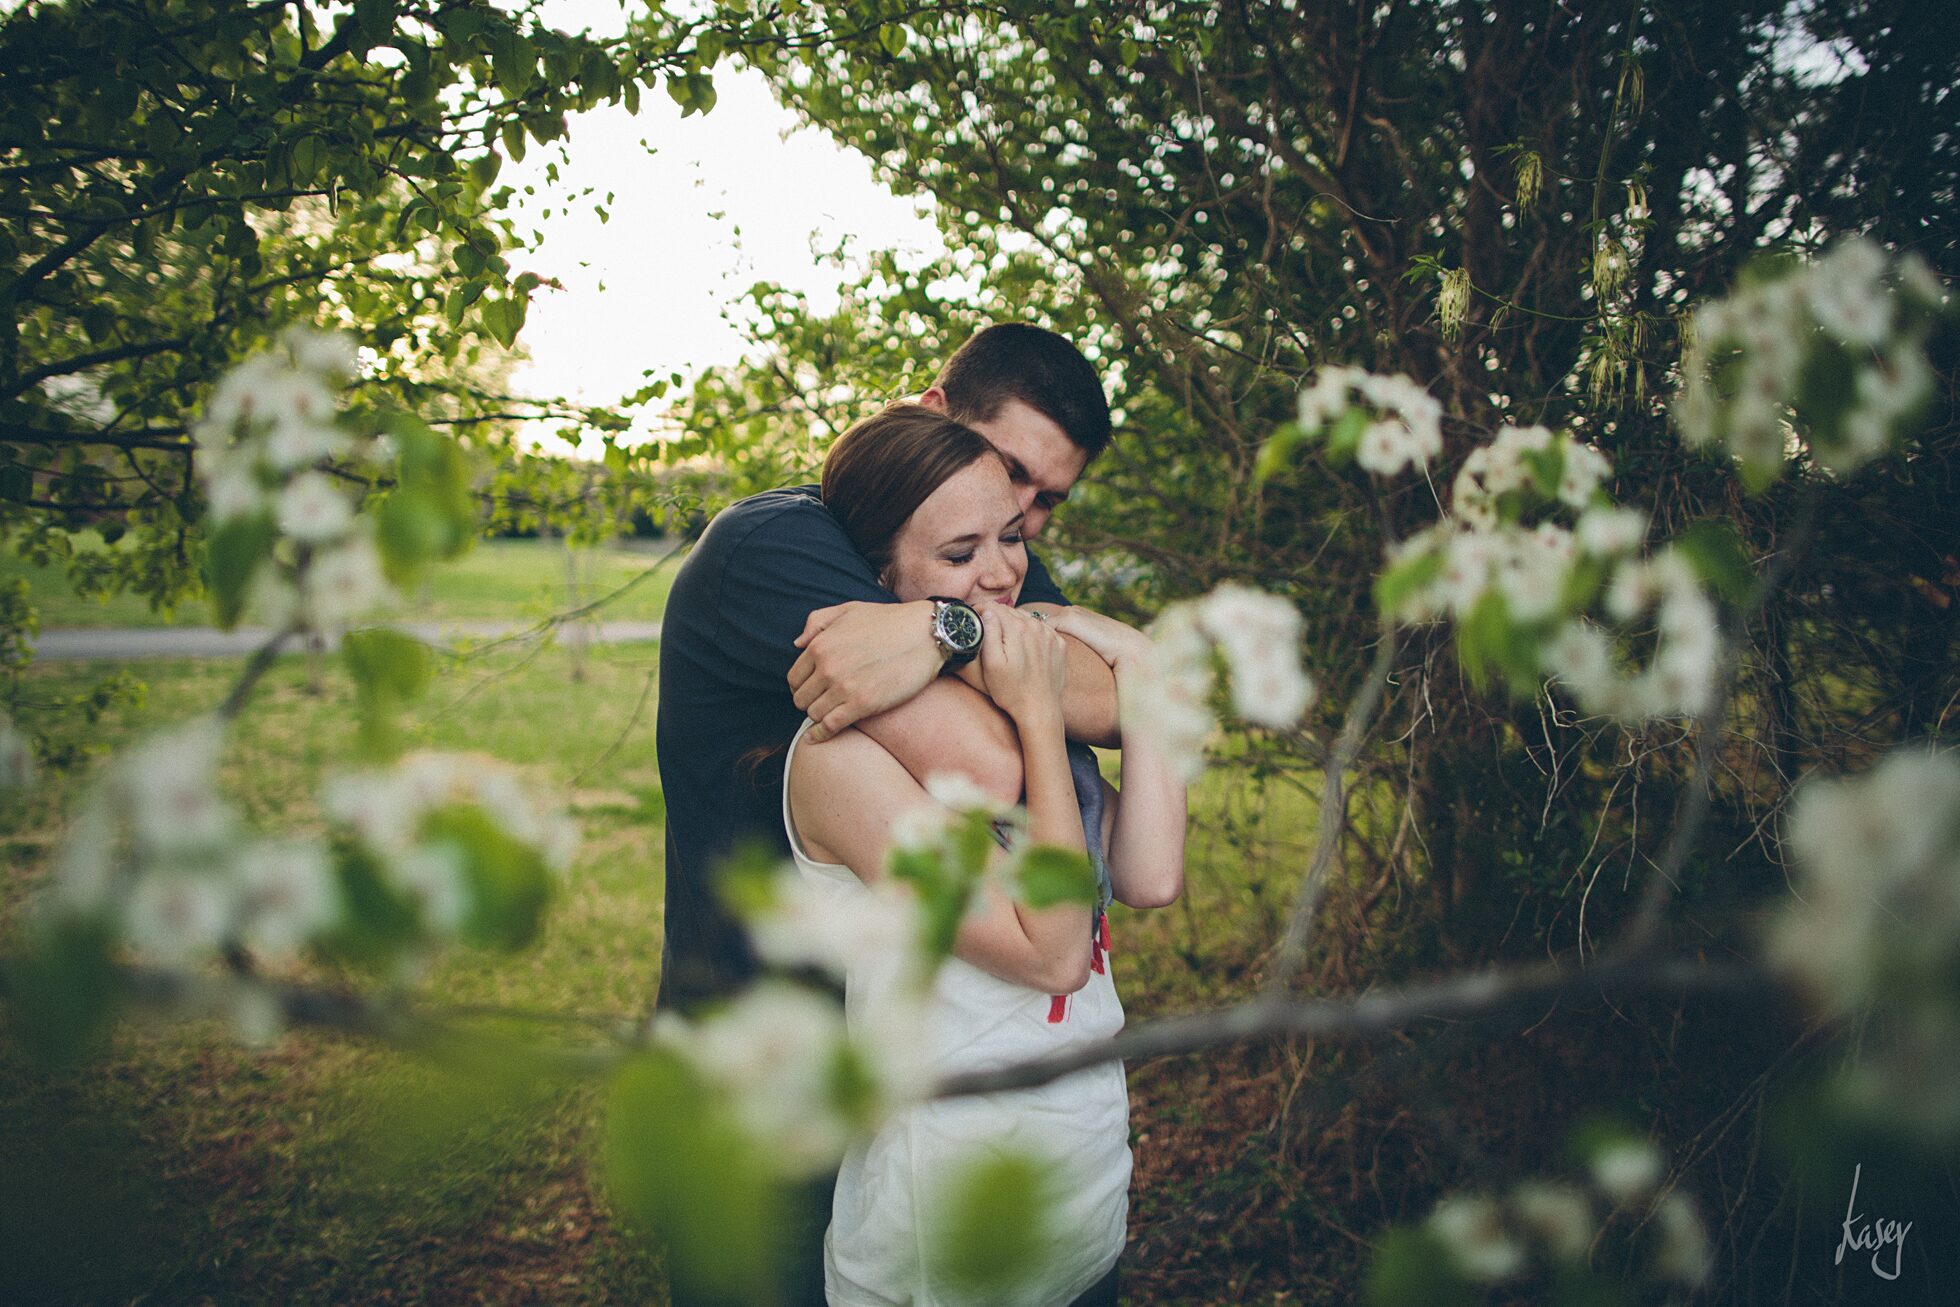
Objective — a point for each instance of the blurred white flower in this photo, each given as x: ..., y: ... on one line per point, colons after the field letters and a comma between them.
x: 921, y: 828
x: 287, y: 894
x: 959, y: 793
x: 1605, y: 532
x: 232, y: 489
x: 1406, y: 430
x: 312, y: 510
x: 1559, y: 1215
x: 1847, y: 296
x: 177, y: 917
x: 1878, y: 885
x: 343, y: 585
x: 170, y: 782
x: 85, y: 870
x: 1583, y: 471
x: 1172, y: 700
x: 774, y: 1053
x: 256, y: 1016
x: 1472, y: 1228
x: 1627, y: 1172
x: 831, y: 926
x: 1259, y: 634
x: 330, y: 354
x: 431, y: 875
x: 1682, y: 1253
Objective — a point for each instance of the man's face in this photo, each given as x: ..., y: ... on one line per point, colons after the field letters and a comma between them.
x: 1042, y: 461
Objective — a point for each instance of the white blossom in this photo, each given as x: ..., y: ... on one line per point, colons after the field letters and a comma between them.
x: 831, y: 927
x: 1259, y: 635
x: 312, y: 510
x: 343, y: 584
x: 256, y: 1016
x: 170, y: 782
x: 287, y: 894
x: 1559, y: 1215
x: 176, y: 917
x: 1682, y: 1253
x: 432, y: 876
x: 958, y: 792
x: 1605, y: 532
x: 1472, y: 1228
x: 232, y: 489
x: 329, y: 354
x: 1406, y: 430
x: 1878, y: 889
x: 84, y: 872
x: 1172, y: 703
x: 921, y: 828
x: 1627, y: 1172
x: 1847, y: 296
x: 773, y: 1053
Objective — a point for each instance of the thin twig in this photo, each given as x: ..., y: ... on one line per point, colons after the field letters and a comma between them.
x: 1333, y: 815
x: 1481, y: 996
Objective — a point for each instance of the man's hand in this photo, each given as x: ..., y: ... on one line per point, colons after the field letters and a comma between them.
x: 861, y: 659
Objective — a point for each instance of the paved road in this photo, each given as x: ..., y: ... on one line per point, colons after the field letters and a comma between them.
x: 80, y: 643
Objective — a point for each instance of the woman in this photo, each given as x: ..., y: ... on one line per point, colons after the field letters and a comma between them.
x: 929, y: 503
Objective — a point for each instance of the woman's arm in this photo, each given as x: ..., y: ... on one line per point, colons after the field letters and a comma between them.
x: 1144, y: 823
x: 846, y: 793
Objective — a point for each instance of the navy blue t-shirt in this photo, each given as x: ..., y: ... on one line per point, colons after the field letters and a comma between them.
x: 726, y: 646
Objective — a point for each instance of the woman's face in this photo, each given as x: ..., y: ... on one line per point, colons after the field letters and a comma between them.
x: 964, y: 541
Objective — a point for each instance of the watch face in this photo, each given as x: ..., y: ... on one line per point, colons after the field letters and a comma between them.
x: 961, y: 626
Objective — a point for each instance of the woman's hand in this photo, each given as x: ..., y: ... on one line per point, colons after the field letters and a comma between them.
x: 1025, y: 665
x: 1113, y: 641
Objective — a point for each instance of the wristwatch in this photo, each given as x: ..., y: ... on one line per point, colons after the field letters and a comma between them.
x: 956, y: 630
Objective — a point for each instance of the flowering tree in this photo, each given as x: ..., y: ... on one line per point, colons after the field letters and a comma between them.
x: 1518, y: 222
x: 163, y: 894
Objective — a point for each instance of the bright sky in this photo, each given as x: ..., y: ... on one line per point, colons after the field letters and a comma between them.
x: 736, y: 196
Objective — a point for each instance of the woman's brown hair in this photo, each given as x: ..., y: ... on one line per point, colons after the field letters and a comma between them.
x: 882, y: 469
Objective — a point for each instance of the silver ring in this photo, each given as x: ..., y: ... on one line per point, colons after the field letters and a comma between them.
x: 1039, y: 617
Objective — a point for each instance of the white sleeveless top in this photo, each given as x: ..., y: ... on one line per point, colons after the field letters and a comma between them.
x: 881, y: 1220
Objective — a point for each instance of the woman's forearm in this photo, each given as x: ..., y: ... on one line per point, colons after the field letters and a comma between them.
x: 1058, y: 936
x: 1146, y: 841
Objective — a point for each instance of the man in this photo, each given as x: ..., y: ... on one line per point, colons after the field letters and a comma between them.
x: 774, y: 617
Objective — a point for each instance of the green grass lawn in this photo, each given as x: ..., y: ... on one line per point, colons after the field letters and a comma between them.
x: 183, y: 1167
x: 497, y: 580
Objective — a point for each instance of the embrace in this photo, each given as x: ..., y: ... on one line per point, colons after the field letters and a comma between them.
x: 829, y: 648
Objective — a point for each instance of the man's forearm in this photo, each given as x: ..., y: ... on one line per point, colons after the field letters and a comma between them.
x: 1089, y: 705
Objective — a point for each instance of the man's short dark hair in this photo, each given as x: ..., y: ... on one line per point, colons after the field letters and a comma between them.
x: 1013, y: 360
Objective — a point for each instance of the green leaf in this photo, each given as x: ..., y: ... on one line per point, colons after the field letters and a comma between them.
x: 510, y: 886
x: 677, y: 1166
x: 996, y: 1236
x: 377, y: 924
x: 232, y: 556
x: 1409, y: 576
x: 1715, y: 552
x: 469, y: 260
x: 389, y: 670
x: 1344, y: 436
x: 892, y: 37
x: 1051, y: 875
x: 1546, y: 465
x: 1129, y: 52
x: 60, y: 990
x: 1276, y: 455
x: 308, y: 154
x: 1413, y: 1268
